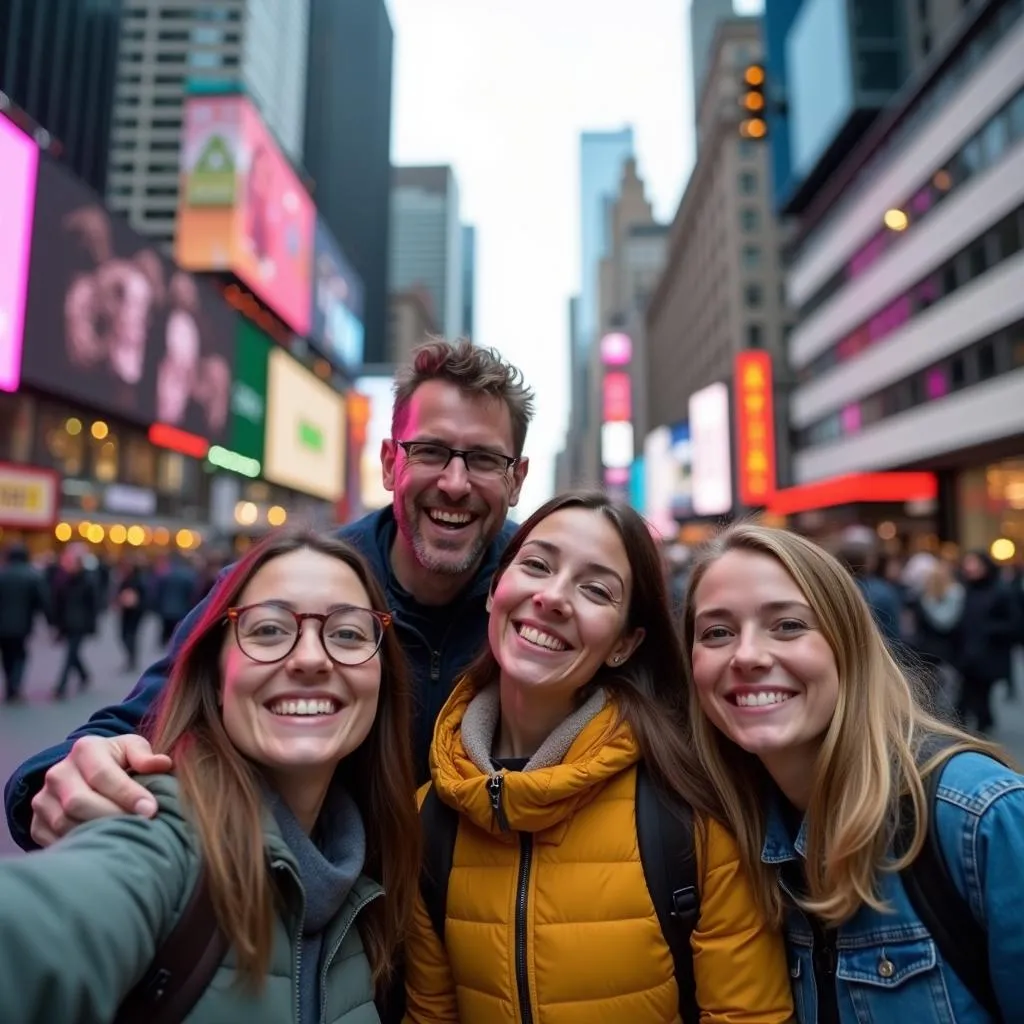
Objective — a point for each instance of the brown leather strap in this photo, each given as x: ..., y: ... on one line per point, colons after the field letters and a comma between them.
x: 183, y: 967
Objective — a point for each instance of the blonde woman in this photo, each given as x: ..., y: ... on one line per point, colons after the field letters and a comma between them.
x: 841, y: 791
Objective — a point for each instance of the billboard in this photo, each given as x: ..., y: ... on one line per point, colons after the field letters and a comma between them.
x: 112, y: 323
x: 29, y: 497
x: 249, y: 391
x: 242, y: 207
x: 755, y: 428
x: 336, y: 313
x: 710, y: 448
x: 304, y: 447
x: 380, y: 391
x: 19, y: 158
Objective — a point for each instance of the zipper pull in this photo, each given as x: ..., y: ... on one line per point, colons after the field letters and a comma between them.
x: 496, y: 784
x: 435, y: 666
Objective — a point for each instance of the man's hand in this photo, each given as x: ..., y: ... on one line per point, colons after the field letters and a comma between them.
x: 93, y: 782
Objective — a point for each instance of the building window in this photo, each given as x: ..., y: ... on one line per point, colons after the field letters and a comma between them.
x: 170, y: 58
x: 751, y: 257
x: 750, y: 220
x: 755, y: 336
x: 748, y: 183
x: 167, y: 122
x: 753, y: 296
x: 747, y: 149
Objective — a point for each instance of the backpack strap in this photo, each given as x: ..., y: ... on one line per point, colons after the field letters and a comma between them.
x: 961, y: 939
x: 664, y: 830
x: 183, y: 967
x: 439, y: 825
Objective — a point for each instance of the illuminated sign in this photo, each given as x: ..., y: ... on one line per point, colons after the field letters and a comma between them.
x: 304, y: 446
x: 616, y: 349
x: 224, y: 458
x: 28, y: 497
x: 616, y: 445
x: 166, y: 436
x: 710, y: 451
x: 243, y: 207
x: 19, y: 157
x: 755, y: 428
x: 618, y: 398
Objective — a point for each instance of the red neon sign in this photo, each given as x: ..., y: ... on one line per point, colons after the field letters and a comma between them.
x: 618, y: 398
x: 164, y: 436
x: 755, y: 428
x: 854, y: 489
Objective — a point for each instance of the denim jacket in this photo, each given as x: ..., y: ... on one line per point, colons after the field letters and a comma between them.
x: 887, y: 966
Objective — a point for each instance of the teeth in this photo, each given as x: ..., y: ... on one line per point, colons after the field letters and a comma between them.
x: 456, y: 518
x: 304, y: 707
x: 761, y: 699
x: 535, y: 636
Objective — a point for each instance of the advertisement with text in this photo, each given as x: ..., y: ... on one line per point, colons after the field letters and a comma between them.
x: 336, y: 317
x: 243, y: 208
x: 113, y: 323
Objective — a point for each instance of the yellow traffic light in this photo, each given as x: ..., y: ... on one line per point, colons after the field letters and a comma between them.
x: 753, y: 128
x: 754, y: 101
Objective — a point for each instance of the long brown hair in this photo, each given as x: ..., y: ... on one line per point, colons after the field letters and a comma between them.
x: 648, y: 689
x: 872, y: 753
x: 220, y: 787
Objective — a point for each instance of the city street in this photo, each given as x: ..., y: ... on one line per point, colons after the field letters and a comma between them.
x: 26, y: 729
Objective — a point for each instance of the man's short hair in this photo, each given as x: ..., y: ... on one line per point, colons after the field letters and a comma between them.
x: 474, y: 371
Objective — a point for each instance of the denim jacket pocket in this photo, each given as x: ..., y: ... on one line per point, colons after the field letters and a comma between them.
x: 897, y: 981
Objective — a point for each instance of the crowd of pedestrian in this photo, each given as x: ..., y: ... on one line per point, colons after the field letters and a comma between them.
x: 68, y: 593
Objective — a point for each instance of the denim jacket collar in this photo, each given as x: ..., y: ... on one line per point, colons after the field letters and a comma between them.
x: 778, y: 845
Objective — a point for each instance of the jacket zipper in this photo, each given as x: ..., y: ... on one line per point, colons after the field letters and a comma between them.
x: 285, y: 866
x: 522, y: 978
x: 496, y: 786
x: 334, y: 950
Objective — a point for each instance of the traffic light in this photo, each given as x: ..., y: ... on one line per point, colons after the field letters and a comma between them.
x: 753, y: 102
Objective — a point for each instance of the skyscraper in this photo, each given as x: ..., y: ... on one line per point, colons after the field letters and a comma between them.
x: 58, y: 62
x: 704, y: 18
x: 426, y: 240
x: 348, y: 142
x: 468, y: 281
x: 258, y: 46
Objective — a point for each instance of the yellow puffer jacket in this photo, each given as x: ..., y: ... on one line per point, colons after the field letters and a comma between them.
x: 594, y: 950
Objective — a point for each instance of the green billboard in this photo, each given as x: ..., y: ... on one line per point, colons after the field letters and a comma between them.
x: 249, y: 390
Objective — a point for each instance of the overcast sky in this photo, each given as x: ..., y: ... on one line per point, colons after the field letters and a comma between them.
x: 501, y: 90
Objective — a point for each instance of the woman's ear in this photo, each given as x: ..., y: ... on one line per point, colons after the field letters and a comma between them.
x: 623, y: 650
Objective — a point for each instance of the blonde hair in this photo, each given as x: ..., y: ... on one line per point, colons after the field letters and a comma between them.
x: 869, y: 754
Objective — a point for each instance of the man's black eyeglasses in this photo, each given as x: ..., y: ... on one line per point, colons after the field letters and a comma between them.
x: 478, y: 461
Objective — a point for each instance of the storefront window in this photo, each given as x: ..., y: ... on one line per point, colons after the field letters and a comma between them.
x: 64, y: 442
x: 139, y: 462
x: 992, y: 508
x: 105, y: 457
x: 170, y: 477
x: 17, y: 415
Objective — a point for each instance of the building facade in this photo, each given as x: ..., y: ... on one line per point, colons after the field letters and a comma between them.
x: 908, y: 279
x: 426, y: 241
x: 58, y: 63
x: 720, y: 293
x: 347, y: 146
x: 705, y: 16
x: 411, y: 320
x: 170, y: 46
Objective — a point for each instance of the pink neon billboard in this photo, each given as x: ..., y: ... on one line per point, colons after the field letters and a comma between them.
x: 19, y: 158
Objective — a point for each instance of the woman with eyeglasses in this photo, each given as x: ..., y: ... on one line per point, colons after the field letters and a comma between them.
x: 286, y: 721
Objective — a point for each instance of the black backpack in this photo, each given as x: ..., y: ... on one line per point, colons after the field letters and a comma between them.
x: 183, y: 967
x: 664, y: 829
x: 961, y: 939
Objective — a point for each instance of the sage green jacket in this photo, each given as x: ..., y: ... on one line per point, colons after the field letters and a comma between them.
x: 80, y: 924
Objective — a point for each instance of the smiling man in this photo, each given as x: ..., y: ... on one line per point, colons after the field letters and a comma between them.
x: 454, y: 465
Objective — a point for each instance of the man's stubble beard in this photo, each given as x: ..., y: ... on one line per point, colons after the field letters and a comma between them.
x: 424, y: 552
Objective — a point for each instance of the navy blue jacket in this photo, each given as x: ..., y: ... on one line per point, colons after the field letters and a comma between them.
x: 434, y: 671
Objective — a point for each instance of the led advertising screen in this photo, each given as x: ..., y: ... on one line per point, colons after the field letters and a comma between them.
x: 755, y: 428
x: 112, y: 323
x: 249, y: 391
x: 242, y: 207
x: 19, y: 161
x: 380, y: 391
x: 336, y: 316
x: 305, y: 443
x: 711, y: 450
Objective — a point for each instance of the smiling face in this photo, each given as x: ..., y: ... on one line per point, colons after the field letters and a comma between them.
x: 765, y: 675
x: 447, y: 517
x: 559, y: 611
x: 301, y: 716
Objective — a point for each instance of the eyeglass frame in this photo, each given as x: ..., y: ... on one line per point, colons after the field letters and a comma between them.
x: 462, y: 453
x: 384, y: 618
